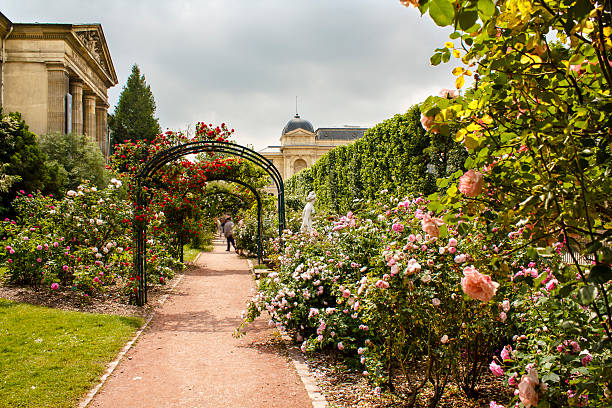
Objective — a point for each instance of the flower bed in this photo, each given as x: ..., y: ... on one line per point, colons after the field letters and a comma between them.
x: 395, y: 289
x: 81, y: 241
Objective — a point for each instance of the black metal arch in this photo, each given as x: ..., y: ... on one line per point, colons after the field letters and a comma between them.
x: 169, y: 155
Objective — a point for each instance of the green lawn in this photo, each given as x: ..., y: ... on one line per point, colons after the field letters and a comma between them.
x: 189, y: 253
x: 51, y: 358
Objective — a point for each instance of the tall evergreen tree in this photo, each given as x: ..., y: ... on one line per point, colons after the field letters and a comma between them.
x: 134, y: 114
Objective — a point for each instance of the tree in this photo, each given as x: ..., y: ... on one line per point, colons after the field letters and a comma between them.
x: 23, y: 163
x: 77, y: 157
x: 134, y: 117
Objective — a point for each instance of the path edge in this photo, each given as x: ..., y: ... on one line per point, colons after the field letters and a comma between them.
x: 113, y: 364
x: 315, y: 393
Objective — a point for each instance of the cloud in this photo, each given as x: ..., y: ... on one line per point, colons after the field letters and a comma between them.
x: 243, y: 62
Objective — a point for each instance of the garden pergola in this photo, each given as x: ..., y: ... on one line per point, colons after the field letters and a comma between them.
x: 174, y: 153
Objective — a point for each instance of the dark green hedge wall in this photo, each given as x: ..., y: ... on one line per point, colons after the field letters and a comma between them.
x: 396, y: 155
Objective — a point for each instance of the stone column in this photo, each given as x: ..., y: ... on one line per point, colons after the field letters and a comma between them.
x: 57, y: 77
x: 101, y: 127
x: 90, y: 116
x: 76, y: 89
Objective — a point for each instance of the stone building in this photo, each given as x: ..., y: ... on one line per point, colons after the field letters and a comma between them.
x: 57, y: 76
x: 301, y: 146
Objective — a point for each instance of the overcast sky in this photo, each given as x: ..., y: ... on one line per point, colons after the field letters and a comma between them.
x: 243, y: 62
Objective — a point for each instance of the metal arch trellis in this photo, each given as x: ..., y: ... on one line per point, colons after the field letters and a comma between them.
x: 174, y: 153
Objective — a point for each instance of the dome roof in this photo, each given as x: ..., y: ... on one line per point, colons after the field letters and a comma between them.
x: 298, y: 123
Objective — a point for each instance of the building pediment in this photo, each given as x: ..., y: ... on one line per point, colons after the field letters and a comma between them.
x: 92, y: 39
x: 298, y: 137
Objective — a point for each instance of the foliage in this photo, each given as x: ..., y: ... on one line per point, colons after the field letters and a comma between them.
x: 537, y: 126
x: 396, y: 155
x: 134, y: 116
x: 37, y: 343
x: 23, y: 163
x: 78, y: 157
x: 246, y: 230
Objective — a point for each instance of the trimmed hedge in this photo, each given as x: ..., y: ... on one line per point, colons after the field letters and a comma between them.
x: 397, y: 155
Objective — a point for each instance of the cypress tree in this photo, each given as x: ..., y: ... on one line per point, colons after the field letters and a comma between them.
x: 134, y: 118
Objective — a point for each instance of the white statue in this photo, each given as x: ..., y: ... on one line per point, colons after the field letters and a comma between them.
x: 307, y: 213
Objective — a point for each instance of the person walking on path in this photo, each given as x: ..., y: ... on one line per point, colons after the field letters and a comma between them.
x: 228, y: 231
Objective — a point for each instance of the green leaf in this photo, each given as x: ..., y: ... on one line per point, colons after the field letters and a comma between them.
x: 442, y: 12
x: 436, y: 59
x: 486, y: 9
x: 600, y: 274
x: 593, y: 247
x: 443, y: 231
x: 463, y: 229
x: 580, y: 9
x: 467, y: 19
x: 576, y: 59
x: 565, y: 290
x: 454, y: 35
x: 545, y: 252
x: 587, y: 294
x: 551, y: 377
x: 442, y: 182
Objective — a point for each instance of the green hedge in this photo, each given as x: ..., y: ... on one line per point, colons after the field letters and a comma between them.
x: 396, y: 155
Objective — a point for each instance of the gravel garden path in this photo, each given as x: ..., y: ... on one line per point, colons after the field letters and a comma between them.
x: 187, y: 357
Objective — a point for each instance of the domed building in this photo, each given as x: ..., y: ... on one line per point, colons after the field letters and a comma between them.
x: 301, y: 146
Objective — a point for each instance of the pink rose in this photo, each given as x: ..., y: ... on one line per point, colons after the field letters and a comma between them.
x: 394, y: 269
x: 527, y: 391
x: 496, y: 369
x: 586, y: 359
x: 397, y: 227
x: 448, y: 93
x: 471, y: 183
x: 382, y: 284
x: 477, y: 285
x: 407, y: 3
x: 505, y: 353
x: 512, y: 380
x: 54, y: 286
x: 430, y: 225
x: 428, y: 122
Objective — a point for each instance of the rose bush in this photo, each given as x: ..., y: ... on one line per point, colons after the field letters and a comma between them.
x: 82, y: 241
x: 377, y: 285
